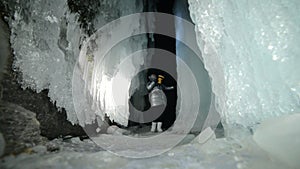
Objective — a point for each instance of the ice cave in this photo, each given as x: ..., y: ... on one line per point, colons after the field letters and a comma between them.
x: 131, y: 84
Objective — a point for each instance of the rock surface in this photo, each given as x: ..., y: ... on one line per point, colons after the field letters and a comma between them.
x: 2, y: 144
x: 20, y: 128
x: 53, y: 122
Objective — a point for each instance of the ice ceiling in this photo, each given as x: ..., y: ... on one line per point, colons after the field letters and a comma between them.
x: 250, y: 49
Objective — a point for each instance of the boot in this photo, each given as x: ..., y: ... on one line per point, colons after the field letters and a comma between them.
x: 159, y: 124
x: 153, y: 127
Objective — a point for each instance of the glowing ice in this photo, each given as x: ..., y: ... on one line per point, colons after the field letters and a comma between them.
x: 46, y: 43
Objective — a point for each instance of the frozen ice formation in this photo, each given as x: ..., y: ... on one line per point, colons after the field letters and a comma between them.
x: 207, y: 116
x: 46, y: 38
x: 284, y: 143
x: 251, y: 51
x: 46, y: 44
x: 104, y: 72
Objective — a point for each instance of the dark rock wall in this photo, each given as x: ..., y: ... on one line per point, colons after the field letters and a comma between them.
x: 19, y: 127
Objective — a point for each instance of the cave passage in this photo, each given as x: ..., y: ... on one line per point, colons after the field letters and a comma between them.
x: 158, y: 59
x: 166, y: 43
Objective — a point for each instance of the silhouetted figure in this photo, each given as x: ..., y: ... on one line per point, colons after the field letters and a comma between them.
x: 157, y: 98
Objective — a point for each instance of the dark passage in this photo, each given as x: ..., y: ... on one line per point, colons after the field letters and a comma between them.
x: 169, y: 44
x: 140, y: 99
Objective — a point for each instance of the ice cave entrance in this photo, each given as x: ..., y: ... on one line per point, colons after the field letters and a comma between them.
x: 114, y: 79
x: 162, y: 59
x: 169, y: 60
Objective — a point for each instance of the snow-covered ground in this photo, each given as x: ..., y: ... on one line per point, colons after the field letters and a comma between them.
x: 213, y: 154
x: 266, y: 150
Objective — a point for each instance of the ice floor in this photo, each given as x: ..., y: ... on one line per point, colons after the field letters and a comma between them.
x: 222, y: 153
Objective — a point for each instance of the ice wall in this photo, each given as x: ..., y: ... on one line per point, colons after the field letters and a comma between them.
x: 251, y: 51
x: 101, y: 80
x: 46, y: 38
x: 103, y: 75
x: 195, y: 63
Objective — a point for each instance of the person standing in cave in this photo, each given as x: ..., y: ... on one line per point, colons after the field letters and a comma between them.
x: 157, y: 98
